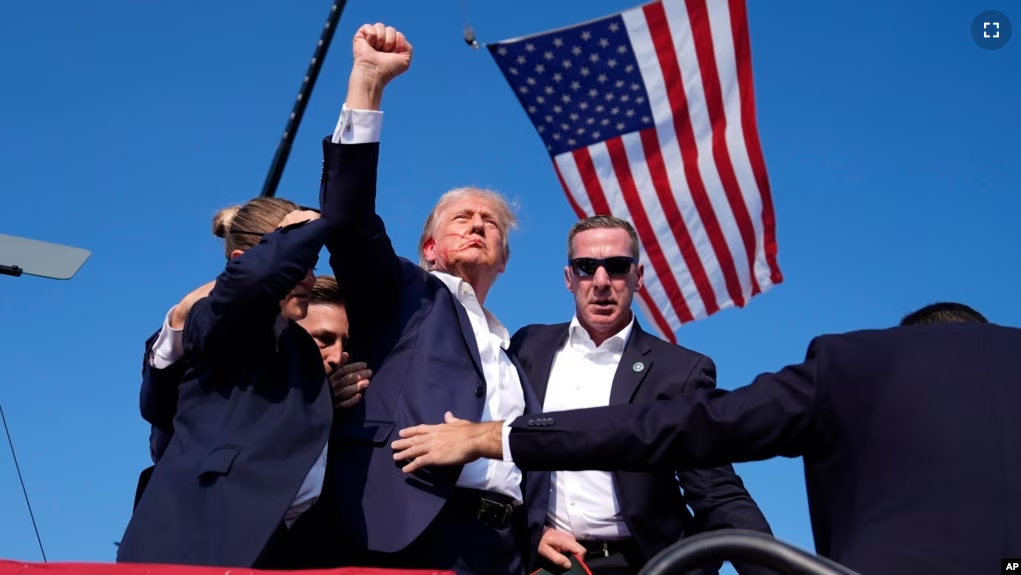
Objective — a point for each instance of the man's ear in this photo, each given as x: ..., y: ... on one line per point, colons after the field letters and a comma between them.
x: 236, y: 253
x: 503, y: 266
x: 567, y: 278
x: 639, y: 276
x: 429, y: 250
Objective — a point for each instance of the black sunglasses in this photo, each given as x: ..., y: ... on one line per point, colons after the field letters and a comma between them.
x: 260, y: 234
x: 616, y: 266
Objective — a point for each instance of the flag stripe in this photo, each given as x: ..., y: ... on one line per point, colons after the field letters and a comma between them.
x: 647, y: 159
x: 567, y: 191
x: 698, y: 15
x: 618, y: 158
x: 743, y: 56
x: 726, y: 65
x: 655, y: 16
x: 680, y: 200
x: 698, y: 111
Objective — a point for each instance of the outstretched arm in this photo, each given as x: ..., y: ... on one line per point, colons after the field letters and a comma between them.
x: 774, y: 416
x: 361, y: 255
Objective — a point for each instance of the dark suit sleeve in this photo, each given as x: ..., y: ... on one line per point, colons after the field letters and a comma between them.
x: 361, y: 254
x: 158, y: 399
x: 717, y: 495
x: 246, y: 297
x: 707, y: 428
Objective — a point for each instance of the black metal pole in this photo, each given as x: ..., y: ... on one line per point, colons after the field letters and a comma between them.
x: 17, y: 468
x: 276, y: 169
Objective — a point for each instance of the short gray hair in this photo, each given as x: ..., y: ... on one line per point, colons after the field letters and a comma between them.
x: 505, y: 218
x: 602, y: 223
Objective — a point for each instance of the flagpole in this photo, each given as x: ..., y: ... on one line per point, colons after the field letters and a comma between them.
x: 276, y: 168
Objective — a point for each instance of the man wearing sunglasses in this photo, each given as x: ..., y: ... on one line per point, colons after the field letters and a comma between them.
x: 619, y: 520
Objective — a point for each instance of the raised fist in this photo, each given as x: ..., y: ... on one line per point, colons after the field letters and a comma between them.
x: 382, y: 51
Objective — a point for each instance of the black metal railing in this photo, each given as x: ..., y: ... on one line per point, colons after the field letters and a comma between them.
x: 740, y: 546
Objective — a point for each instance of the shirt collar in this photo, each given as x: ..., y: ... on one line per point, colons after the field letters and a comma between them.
x: 462, y: 290
x: 278, y: 328
x: 577, y: 334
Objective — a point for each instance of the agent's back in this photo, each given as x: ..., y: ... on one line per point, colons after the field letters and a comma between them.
x: 924, y: 467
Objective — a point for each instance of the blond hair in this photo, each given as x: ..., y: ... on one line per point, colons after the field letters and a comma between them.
x: 505, y: 218
x: 242, y: 227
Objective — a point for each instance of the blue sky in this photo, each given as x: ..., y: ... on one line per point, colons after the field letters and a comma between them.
x: 890, y: 140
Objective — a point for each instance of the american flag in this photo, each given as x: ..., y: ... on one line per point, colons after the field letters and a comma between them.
x: 649, y: 115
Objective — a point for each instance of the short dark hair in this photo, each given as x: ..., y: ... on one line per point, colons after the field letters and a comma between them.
x: 602, y: 223
x: 327, y: 292
x: 943, y: 312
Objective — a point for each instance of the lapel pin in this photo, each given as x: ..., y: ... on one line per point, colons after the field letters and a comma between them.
x: 638, y: 366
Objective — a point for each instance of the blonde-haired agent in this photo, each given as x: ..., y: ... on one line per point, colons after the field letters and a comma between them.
x: 248, y: 454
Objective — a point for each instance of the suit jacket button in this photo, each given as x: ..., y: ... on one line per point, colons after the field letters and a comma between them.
x: 531, y: 423
x: 480, y: 391
x: 550, y: 421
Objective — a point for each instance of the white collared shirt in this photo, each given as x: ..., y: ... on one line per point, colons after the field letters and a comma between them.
x: 584, y: 503
x: 504, y: 397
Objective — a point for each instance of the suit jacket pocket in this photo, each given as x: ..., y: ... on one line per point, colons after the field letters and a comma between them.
x: 217, y: 463
x: 373, y: 432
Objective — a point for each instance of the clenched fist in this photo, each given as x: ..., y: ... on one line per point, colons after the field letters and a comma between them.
x: 381, y: 50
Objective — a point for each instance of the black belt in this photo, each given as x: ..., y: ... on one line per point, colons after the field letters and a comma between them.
x: 491, y: 509
x: 607, y: 548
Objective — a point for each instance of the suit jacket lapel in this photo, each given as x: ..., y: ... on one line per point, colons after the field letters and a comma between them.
x: 634, y: 364
x: 468, y: 333
x: 543, y: 362
x: 532, y: 403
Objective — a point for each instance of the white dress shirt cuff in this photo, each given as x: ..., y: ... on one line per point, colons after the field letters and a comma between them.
x: 506, y: 442
x: 358, y: 126
x: 169, y: 346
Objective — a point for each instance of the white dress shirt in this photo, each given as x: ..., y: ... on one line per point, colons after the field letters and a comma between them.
x: 584, y: 503
x: 504, y: 397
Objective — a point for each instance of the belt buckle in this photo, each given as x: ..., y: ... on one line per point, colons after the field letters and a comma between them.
x: 502, y: 511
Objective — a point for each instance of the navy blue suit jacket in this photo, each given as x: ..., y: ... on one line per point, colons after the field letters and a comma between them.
x: 654, y: 509
x: 911, y: 439
x: 417, y: 339
x: 158, y: 399
x: 253, y: 415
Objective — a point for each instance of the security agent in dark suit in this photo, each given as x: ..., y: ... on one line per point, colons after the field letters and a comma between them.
x: 621, y: 519
x: 248, y: 453
x: 432, y: 346
x: 911, y: 440
x: 162, y: 369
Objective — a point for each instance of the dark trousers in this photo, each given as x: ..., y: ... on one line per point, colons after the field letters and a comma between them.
x: 457, y: 542
x: 300, y: 547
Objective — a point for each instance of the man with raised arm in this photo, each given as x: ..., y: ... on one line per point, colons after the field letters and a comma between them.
x: 426, y: 335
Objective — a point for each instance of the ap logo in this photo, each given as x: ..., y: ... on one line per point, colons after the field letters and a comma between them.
x: 1011, y: 565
